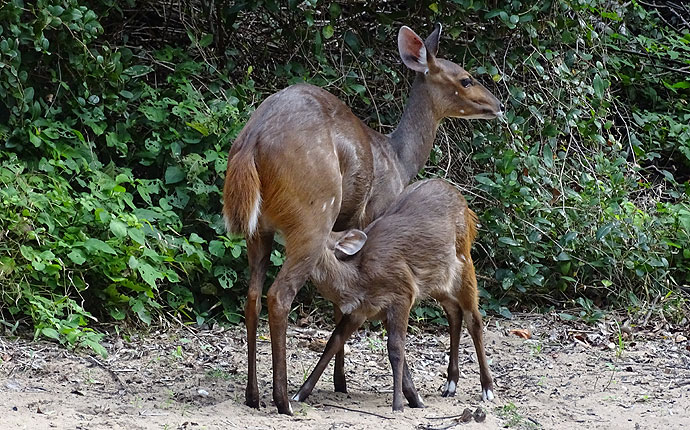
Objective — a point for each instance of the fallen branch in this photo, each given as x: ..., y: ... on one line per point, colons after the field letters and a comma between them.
x: 357, y: 410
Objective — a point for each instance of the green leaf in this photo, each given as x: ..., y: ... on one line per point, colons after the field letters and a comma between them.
x: 200, y: 127
x: 118, y: 314
x: 50, y: 332
x: 96, y: 347
x: 484, y: 180
x: 360, y: 89
x: 327, y: 32
x: 149, y: 274
x: 118, y: 228
x: 334, y: 10
x: 569, y: 237
x: 35, y: 140
x: 206, y: 40
x: 77, y: 257
x: 144, y: 315
x: 137, y: 235
x: 352, y: 40
x: 216, y: 248
x: 195, y: 238
x: 508, y: 241
x: 599, y: 86
x: 138, y: 70
x: 563, y: 256
x: 93, y: 244
x: 603, y: 231
x: 226, y: 276
x: 173, y: 175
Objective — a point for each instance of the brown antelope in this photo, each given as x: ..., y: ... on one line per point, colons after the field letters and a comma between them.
x: 419, y: 247
x: 305, y: 165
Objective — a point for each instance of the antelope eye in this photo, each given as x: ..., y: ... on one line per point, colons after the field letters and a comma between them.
x: 466, y: 82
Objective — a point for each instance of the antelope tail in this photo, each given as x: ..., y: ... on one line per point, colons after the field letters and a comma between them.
x: 242, y: 193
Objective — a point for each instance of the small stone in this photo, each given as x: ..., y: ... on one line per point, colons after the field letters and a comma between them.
x: 680, y: 338
x: 318, y: 345
x: 202, y: 392
x: 466, y: 416
x: 479, y: 415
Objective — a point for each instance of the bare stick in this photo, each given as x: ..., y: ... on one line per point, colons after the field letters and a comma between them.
x: 356, y: 410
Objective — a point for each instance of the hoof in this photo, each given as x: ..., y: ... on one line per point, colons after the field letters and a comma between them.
x: 252, y: 402
x: 419, y: 403
x: 487, y: 395
x: 285, y: 410
x: 449, y: 389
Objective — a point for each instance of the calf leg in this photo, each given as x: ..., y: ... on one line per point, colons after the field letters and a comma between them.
x: 473, y: 320
x: 469, y: 302
x: 347, y: 325
x: 408, y: 388
x: 454, y: 315
x: 339, y: 369
x: 397, y: 330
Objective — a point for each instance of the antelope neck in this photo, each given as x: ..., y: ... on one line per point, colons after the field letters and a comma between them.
x: 413, y: 138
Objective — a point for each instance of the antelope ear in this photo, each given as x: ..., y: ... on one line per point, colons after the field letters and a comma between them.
x: 431, y: 42
x: 351, y: 242
x: 412, y: 50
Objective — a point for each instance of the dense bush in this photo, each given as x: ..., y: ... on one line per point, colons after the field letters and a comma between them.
x: 116, y: 117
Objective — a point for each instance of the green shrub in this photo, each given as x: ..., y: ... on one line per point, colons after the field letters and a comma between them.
x: 114, y: 140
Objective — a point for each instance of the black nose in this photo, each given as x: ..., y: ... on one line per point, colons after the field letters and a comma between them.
x: 503, y: 108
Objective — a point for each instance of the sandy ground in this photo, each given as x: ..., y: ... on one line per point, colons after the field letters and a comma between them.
x: 567, y: 376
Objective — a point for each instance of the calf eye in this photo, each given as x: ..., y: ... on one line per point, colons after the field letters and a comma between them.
x: 466, y: 82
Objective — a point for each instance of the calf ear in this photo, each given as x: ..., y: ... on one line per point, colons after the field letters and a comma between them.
x: 412, y: 50
x: 351, y: 242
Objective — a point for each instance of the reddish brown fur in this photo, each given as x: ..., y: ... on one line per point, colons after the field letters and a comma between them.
x: 316, y: 167
x: 241, y: 185
x: 419, y: 247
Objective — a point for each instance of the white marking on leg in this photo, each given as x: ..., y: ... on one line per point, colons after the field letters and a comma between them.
x: 451, y: 386
x: 290, y: 407
x: 487, y: 395
x: 296, y: 397
x: 419, y: 400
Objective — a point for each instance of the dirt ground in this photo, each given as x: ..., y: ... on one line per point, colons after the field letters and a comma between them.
x: 566, y: 376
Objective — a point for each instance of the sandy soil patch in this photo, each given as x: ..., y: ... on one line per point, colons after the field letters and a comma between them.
x: 566, y: 376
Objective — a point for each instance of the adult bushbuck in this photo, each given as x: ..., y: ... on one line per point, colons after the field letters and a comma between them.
x: 305, y: 165
x: 419, y: 247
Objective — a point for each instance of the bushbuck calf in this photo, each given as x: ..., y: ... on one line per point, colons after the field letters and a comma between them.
x: 419, y: 247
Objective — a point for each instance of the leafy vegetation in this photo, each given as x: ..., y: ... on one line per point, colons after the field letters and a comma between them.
x: 116, y: 117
